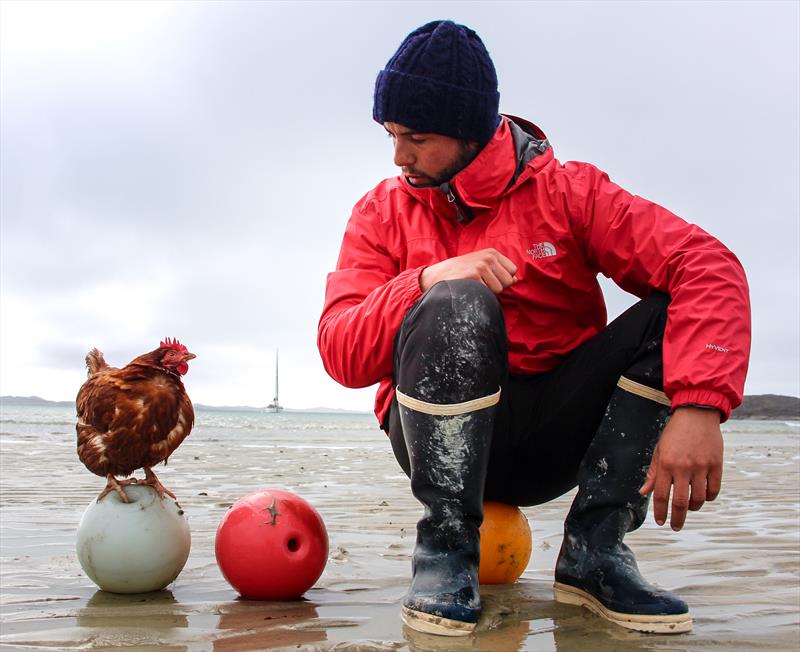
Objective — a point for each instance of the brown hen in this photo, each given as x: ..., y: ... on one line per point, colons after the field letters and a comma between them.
x: 134, y: 417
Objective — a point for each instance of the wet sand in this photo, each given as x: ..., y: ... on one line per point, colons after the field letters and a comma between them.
x: 737, y: 563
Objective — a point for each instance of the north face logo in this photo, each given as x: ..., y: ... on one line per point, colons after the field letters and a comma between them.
x: 542, y: 250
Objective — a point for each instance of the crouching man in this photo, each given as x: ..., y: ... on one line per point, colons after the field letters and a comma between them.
x: 466, y: 286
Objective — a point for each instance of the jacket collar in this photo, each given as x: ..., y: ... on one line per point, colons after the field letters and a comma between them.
x: 517, y: 149
x: 481, y: 183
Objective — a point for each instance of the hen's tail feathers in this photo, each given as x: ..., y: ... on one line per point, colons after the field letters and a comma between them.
x: 95, y: 362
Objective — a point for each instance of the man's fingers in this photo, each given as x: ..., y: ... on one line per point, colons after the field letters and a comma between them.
x: 663, y: 484
x: 680, y: 503
x: 508, y: 266
x: 492, y: 282
x: 649, y: 481
x: 504, y: 277
x: 714, y: 483
x: 698, y: 497
x: 496, y: 277
x: 505, y: 262
x: 504, y: 269
x: 494, y: 270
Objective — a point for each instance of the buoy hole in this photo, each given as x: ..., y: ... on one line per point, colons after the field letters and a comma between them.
x: 293, y: 545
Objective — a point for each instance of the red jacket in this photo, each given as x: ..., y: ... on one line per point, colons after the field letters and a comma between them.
x: 561, y: 225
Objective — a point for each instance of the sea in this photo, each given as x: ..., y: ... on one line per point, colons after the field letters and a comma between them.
x: 318, y: 429
x: 294, y: 429
x: 256, y: 428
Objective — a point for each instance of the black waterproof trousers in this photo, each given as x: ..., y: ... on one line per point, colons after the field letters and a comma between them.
x: 543, y: 423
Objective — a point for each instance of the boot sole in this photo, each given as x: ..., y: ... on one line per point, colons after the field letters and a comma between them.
x: 430, y: 624
x: 649, y: 624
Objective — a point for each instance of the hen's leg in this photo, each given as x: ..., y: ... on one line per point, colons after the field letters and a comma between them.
x: 116, y: 485
x: 152, y: 480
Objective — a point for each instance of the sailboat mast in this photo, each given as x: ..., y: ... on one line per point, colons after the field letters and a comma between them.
x: 276, y: 376
x: 275, y: 406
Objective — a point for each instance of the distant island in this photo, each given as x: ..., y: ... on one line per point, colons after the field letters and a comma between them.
x: 756, y: 406
x: 768, y: 406
x: 38, y: 400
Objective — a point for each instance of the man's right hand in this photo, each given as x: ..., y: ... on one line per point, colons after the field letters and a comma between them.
x: 488, y: 266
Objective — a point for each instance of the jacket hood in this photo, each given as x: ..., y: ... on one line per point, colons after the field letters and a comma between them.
x: 531, y: 147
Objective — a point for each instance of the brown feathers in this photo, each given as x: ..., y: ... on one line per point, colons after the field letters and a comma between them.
x: 94, y: 362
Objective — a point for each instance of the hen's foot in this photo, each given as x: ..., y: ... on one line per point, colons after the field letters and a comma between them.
x: 152, y: 480
x: 117, y: 485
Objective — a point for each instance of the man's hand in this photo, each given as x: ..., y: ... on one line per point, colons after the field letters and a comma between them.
x: 488, y: 266
x: 688, y: 456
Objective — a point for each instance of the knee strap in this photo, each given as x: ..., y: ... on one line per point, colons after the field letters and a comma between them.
x: 448, y: 409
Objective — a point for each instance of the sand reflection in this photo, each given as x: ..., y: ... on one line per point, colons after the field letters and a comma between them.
x: 249, y: 625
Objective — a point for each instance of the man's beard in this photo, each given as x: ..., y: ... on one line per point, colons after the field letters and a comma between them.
x: 466, y: 154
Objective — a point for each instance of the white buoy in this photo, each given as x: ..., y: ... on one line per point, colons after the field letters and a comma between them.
x: 133, y: 547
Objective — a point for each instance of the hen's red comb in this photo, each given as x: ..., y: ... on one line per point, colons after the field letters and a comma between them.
x: 173, y: 344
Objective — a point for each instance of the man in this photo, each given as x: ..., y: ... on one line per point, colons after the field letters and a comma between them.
x: 467, y: 288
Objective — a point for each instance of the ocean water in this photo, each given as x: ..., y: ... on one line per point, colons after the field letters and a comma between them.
x: 318, y: 427
x: 247, y: 427
x: 210, y: 417
x: 53, y: 428
x: 42, y: 434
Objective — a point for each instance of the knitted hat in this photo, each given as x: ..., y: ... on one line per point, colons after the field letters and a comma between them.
x: 441, y: 80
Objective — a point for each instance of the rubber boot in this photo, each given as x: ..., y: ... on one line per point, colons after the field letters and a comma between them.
x: 595, y: 569
x: 450, y: 360
x: 448, y: 448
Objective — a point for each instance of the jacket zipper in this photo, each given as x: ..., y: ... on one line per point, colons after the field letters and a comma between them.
x: 453, y: 199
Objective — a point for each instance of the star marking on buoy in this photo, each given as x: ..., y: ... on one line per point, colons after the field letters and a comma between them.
x: 273, y: 511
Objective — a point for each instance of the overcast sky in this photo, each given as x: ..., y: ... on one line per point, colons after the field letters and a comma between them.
x: 186, y: 169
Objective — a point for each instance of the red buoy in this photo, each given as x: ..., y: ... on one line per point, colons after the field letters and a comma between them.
x: 271, y: 545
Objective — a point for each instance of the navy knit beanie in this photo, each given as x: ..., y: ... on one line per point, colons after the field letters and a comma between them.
x: 441, y: 80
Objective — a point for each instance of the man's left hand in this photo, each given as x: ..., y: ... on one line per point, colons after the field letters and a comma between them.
x: 688, y: 460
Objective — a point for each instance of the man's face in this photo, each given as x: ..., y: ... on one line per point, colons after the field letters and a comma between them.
x: 428, y: 160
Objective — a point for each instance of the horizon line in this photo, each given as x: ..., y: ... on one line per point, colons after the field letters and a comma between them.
x: 317, y: 408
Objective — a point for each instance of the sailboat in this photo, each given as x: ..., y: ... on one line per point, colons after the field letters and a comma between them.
x: 275, y: 406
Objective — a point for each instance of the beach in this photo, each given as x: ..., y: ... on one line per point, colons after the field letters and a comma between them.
x: 737, y: 562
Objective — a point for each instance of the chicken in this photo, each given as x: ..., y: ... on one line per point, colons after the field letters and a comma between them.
x: 134, y: 417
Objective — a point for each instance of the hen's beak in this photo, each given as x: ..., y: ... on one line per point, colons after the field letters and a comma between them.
x: 188, y: 356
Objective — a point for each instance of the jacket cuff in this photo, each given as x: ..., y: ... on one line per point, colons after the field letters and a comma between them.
x: 705, y: 398
x: 412, y: 290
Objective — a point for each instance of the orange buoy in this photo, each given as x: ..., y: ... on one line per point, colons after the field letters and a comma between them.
x: 505, y: 544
